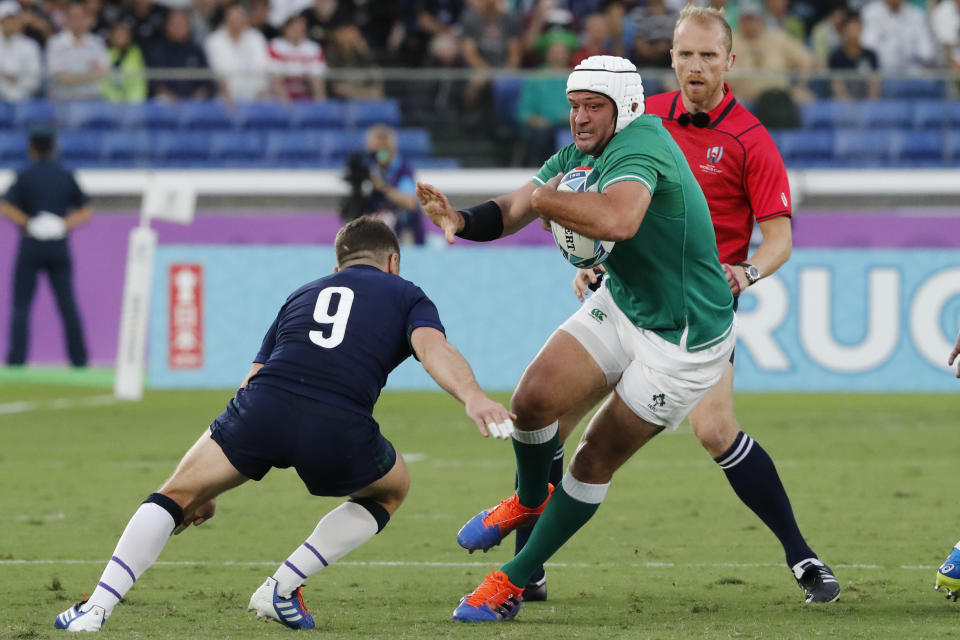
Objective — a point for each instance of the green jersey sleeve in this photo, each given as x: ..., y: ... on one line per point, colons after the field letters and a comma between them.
x: 631, y: 155
x: 555, y: 164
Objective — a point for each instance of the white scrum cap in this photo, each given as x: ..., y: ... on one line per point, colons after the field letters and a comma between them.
x: 617, y: 78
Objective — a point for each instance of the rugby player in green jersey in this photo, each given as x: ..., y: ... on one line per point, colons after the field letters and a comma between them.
x: 659, y: 332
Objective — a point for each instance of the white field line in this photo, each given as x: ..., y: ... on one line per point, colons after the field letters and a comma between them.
x: 57, y: 403
x: 406, y: 563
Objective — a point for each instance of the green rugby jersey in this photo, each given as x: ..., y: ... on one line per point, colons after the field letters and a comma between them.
x: 667, y: 278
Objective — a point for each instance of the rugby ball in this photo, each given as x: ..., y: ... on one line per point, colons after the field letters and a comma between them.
x: 579, y: 250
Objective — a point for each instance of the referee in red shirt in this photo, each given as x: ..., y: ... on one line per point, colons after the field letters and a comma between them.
x: 743, y: 177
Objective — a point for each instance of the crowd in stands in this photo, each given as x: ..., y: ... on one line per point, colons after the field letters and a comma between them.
x: 131, y: 50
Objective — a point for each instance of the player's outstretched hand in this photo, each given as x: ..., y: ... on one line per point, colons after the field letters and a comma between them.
x: 954, y: 354
x: 587, y: 280
x: 490, y: 417
x: 438, y: 209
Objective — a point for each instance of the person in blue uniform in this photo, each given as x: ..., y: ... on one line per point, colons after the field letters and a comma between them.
x: 394, y: 187
x: 46, y: 202
x: 307, y: 403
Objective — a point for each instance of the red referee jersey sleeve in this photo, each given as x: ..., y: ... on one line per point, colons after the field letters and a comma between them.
x: 765, y: 178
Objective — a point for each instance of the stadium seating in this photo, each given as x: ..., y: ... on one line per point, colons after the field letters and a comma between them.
x: 209, y: 133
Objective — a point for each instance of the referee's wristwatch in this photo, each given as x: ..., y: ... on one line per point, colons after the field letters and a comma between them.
x: 752, y: 273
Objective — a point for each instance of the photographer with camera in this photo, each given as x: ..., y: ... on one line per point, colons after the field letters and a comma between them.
x: 382, y: 183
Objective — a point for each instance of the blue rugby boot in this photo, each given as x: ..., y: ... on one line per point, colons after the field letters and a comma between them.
x: 75, y: 620
x: 289, y: 611
x: 817, y: 581
x: 489, y: 527
x: 495, y: 600
x: 948, y: 575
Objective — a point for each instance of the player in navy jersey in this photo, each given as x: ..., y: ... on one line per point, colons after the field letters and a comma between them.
x: 307, y: 403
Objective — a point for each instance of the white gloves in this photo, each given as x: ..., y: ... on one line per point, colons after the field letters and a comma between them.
x: 47, y: 226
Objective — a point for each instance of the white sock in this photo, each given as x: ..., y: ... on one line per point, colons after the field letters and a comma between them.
x: 583, y: 491
x: 138, y: 548
x: 337, y: 534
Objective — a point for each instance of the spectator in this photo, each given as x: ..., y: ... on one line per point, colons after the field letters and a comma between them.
x: 851, y: 56
x: 764, y: 55
x: 425, y: 19
x: 618, y: 26
x: 350, y: 51
x: 394, y: 197
x: 238, y: 56
x: 280, y: 10
x: 77, y: 59
x: 297, y: 66
x: 539, y: 112
x: 37, y: 25
x: 653, y: 35
x: 178, y: 50
x: 127, y: 81
x: 202, y: 14
x: 595, y: 39
x: 491, y: 40
x: 825, y: 35
x: 439, y: 100
x: 46, y: 203
x: 491, y: 36
x: 898, y: 32
x: 545, y: 17
x: 778, y: 16
x: 149, y: 20
x: 260, y: 19
x: 381, y: 24
x: 946, y: 28
x: 21, y: 69
x: 324, y: 17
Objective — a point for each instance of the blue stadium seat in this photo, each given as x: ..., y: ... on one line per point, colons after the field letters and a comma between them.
x: 438, y: 163
x: 237, y: 146
x: 928, y: 114
x: 260, y: 115
x: 952, y: 148
x: 886, y: 113
x: 32, y: 111
x: 563, y: 137
x: 13, y: 147
x: 129, y: 146
x: 295, y: 146
x: 340, y: 144
x: 414, y: 143
x: 364, y: 113
x: 868, y: 148
x: 922, y: 147
x: 506, y: 97
x: 93, y: 114
x: 157, y: 114
x: 181, y: 147
x: 6, y: 115
x: 800, y: 147
x: 80, y: 148
x: 204, y: 114
x: 913, y: 88
x: 328, y: 114
x: 830, y: 114
x: 952, y: 110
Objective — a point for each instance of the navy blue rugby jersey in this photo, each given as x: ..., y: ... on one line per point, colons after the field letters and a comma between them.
x: 336, y: 338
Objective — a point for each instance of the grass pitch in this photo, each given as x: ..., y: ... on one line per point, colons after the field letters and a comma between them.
x: 672, y: 553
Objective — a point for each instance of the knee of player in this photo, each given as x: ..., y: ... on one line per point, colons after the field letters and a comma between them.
x: 587, y: 466
x: 534, y: 405
x: 716, y: 434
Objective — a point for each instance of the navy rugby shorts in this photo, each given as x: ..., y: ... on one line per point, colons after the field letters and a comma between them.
x: 336, y: 452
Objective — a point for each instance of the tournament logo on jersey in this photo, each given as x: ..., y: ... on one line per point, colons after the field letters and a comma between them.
x: 185, y: 345
x: 714, y: 154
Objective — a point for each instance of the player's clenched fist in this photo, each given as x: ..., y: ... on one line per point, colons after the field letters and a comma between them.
x: 438, y: 209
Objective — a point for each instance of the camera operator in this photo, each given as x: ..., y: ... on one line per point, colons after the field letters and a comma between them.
x: 393, y: 197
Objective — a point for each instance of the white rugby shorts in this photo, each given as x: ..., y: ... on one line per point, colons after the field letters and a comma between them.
x: 661, y: 382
